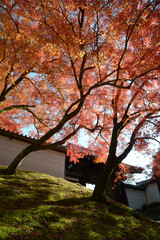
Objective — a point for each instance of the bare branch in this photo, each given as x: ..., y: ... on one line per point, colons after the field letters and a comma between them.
x: 81, y: 18
x: 15, y: 107
x: 33, y: 114
x: 74, y: 71
x: 158, y: 126
x: 104, y: 139
x: 133, y: 138
x: 157, y: 116
x: 96, y: 127
x: 6, y: 90
x: 88, y: 68
x: 33, y: 85
x: 12, y: 19
x: 4, y: 52
x: 82, y: 71
x: 131, y: 101
x: 108, y: 75
x: 36, y: 127
x: 22, y: 107
x: 156, y: 3
x: 68, y: 20
x: 143, y: 74
x: 58, y: 143
x: 149, y: 138
x: 44, y: 21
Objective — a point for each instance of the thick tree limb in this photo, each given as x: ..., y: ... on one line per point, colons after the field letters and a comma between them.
x: 6, y: 90
x: 58, y: 143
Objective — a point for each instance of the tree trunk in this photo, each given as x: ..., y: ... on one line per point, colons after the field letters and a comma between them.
x: 103, y: 180
x: 18, y: 160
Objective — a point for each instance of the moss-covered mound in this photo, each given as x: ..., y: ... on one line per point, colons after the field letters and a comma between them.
x: 38, y: 206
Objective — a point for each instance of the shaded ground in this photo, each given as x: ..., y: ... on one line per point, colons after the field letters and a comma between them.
x: 37, y: 206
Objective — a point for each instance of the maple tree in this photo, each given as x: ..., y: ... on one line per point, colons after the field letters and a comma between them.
x: 49, y: 61
x: 70, y: 60
x: 128, y: 118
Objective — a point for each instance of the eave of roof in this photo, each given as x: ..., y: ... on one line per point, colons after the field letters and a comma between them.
x: 135, y: 187
x: 26, y: 139
x: 148, y: 182
x: 143, y: 184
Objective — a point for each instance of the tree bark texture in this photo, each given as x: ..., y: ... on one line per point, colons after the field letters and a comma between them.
x: 18, y: 160
x: 103, y: 179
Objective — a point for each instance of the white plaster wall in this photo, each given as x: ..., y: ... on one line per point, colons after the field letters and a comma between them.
x: 46, y: 161
x: 152, y: 193
x: 136, y: 199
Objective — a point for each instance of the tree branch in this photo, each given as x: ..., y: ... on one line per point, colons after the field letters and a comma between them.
x: 142, y: 74
x: 12, y: 19
x: 96, y: 127
x: 128, y: 149
x: 4, y: 52
x: 133, y: 139
x: 23, y: 107
x: 88, y: 68
x: 131, y: 101
x: 68, y: 20
x: 81, y: 72
x: 128, y: 36
x: 15, y: 107
x: 158, y: 126
x: 149, y: 139
x: 58, y: 143
x: 74, y: 71
x: 6, y: 90
x: 44, y: 21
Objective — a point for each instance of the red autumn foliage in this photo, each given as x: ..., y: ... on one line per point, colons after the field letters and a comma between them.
x: 156, y: 165
x: 67, y: 65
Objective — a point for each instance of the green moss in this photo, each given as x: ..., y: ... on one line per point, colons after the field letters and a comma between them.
x: 37, y: 206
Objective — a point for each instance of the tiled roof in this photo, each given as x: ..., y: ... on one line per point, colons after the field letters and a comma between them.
x: 143, y: 184
x: 17, y: 135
